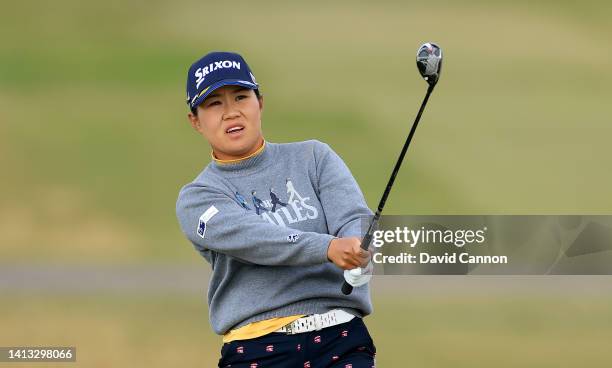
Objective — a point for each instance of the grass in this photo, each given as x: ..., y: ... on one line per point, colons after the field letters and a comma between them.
x: 421, y: 330
x: 91, y: 102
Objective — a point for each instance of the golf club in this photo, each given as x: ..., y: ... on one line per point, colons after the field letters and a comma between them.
x: 429, y: 63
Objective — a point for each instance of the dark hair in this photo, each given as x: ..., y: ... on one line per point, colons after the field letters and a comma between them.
x: 257, y: 94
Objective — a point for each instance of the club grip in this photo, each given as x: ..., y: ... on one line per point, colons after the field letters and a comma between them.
x: 347, y: 289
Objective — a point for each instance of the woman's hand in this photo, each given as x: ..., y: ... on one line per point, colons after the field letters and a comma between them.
x: 347, y: 254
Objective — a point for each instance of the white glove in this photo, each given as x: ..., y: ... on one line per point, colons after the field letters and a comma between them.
x: 359, y: 276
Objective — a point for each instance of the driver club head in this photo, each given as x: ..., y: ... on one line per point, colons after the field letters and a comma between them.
x: 429, y: 62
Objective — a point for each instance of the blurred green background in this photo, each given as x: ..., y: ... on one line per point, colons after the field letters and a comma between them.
x: 95, y: 144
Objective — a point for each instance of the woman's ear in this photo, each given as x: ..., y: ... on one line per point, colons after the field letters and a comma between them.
x: 261, y: 102
x: 194, y: 121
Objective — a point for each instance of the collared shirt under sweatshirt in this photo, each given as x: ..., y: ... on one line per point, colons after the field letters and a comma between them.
x: 265, y: 224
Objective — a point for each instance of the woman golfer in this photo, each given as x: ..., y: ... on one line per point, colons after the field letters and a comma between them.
x: 279, y: 224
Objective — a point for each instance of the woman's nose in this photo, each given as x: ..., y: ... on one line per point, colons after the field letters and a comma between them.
x: 230, y: 114
x: 230, y: 111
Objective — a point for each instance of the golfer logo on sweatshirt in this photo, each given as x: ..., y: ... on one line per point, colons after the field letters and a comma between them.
x: 242, y: 201
x: 298, y: 208
x: 275, y: 200
x: 292, y: 193
x: 258, y: 203
x: 300, y: 203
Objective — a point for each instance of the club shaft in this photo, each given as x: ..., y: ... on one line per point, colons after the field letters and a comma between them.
x: 400, y: 159
x: 365, y: 243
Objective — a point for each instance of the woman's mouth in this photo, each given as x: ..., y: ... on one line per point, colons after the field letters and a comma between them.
x: 234, y: 130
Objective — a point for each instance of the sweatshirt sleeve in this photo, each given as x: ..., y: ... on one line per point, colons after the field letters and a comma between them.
x: 340, y: 196
x: 212, y: 220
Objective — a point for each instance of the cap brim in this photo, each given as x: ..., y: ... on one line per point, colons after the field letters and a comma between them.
x: 197, y: 100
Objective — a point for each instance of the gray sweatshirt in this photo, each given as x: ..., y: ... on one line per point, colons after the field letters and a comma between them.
x: 265, y: 223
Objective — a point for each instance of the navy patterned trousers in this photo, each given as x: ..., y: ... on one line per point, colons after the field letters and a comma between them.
x: 347, y: 345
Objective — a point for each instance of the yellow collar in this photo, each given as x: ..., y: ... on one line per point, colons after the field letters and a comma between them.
x: 224, y: 162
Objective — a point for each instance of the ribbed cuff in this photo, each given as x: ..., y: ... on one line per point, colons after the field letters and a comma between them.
x: 319, y: 247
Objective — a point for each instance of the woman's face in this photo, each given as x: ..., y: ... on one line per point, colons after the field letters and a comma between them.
x: 230, y: 119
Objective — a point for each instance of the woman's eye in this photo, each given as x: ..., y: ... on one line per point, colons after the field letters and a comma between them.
x: 241, y: 97
x: 214, y: 103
